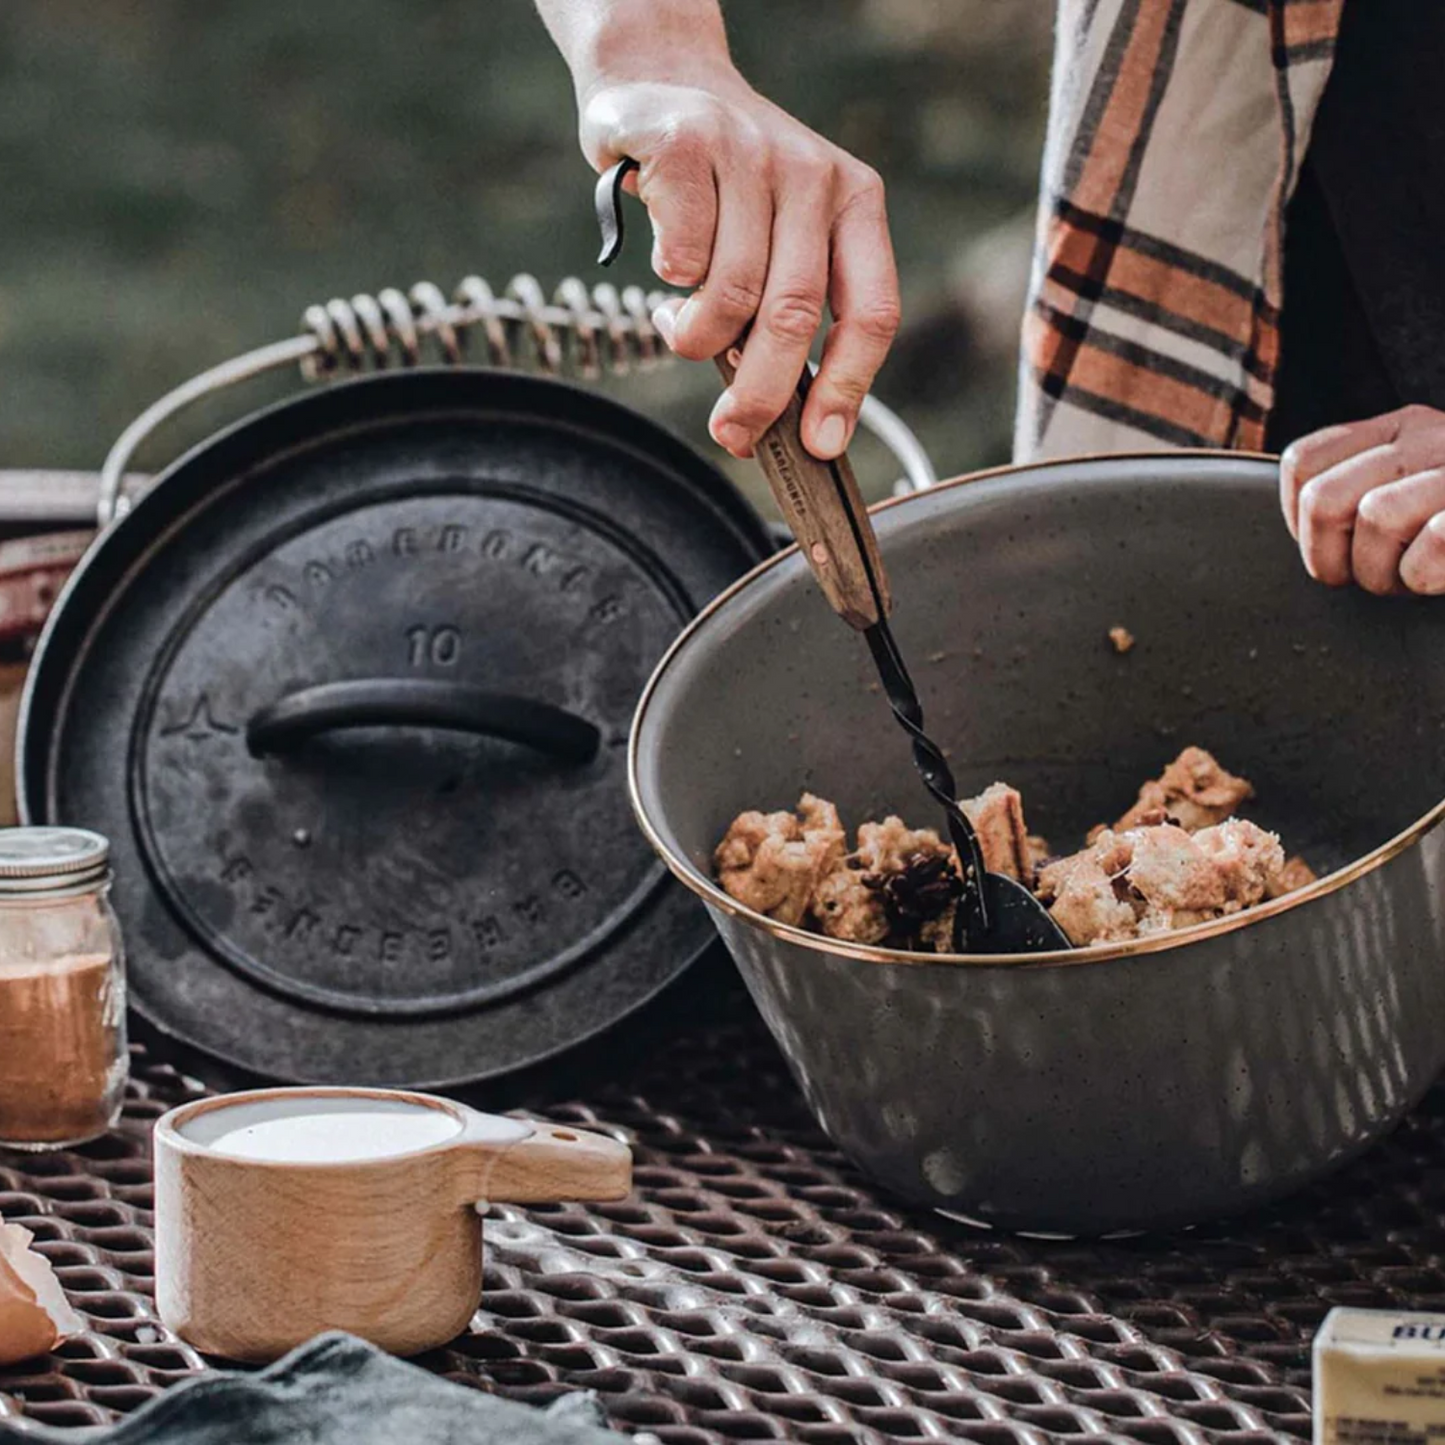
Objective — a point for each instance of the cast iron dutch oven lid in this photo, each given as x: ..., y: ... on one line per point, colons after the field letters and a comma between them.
x: 349, y: 691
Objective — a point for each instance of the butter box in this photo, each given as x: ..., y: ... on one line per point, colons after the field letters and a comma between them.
x: 1379, y: 1378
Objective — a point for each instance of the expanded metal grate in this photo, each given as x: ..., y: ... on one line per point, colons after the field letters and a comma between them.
x: 755, y: 1287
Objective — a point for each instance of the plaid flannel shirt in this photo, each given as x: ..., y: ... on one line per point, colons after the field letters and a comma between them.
x: 1176, y: 130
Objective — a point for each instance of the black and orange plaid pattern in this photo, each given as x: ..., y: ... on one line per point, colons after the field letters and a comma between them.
x: 1176, y: 129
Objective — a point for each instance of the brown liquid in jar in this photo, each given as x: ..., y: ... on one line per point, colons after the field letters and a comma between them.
x: 62, y: 1062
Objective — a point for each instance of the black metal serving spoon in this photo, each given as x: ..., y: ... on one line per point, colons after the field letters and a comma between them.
x: 824, y: 511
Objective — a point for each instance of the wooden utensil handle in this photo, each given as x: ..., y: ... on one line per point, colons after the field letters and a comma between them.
x: 553, y: 1164
x: 820, y: 501
x: 824, y: 510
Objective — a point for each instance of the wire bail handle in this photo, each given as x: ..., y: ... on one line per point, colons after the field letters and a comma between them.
x: 583, y: 331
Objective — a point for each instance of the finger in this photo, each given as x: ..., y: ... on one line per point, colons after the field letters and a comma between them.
x: 1307, y: 458
x: 679, y: 189
x: 1327, y: 507
x: 664, y: 320
x: 1329, y: 501
x: 1387, y: 522
x: 777, y: 348
x: 714, y: 317
x: 674, y: 178
x: 1422, y: 568
x: 865, y: 306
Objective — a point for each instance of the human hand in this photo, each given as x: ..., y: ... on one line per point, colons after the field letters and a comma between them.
x: 769, y: 223
x: 1366, y: 501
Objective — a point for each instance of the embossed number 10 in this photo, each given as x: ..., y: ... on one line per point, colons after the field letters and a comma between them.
x: 438, y: 645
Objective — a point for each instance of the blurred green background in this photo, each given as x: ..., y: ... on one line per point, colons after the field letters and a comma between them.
x: 181, y: 179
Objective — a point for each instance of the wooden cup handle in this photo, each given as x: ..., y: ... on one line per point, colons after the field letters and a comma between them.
x: 551, y: 1165
x: 824, y: 510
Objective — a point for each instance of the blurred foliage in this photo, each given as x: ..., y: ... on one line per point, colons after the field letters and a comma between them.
x: 181, y: 179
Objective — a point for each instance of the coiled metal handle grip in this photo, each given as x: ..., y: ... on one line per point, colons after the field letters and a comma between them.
x: 581, y: 331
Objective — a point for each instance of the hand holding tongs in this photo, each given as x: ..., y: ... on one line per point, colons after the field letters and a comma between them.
x: 824, y: 510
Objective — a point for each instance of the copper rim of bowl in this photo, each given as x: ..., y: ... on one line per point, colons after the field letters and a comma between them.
x: 171, y: 1125
x: 711, y: 894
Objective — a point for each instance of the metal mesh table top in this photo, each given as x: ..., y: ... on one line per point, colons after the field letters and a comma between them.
x: 755, y: 1287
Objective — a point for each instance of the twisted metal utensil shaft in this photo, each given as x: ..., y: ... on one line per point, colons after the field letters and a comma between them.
x: 970, y: 919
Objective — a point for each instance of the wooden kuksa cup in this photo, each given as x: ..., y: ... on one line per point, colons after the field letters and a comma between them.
x: 281, y: 1213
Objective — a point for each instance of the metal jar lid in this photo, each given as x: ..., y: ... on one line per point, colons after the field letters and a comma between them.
x: 349, y: 691
x: 51, y: 860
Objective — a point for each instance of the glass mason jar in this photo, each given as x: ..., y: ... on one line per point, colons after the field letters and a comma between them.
x: 63, y: 1060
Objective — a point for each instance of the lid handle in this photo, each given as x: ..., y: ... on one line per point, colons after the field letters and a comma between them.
x: 417, y: 702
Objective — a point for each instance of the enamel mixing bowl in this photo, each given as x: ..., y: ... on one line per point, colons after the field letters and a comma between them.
x: 1127, y: 1086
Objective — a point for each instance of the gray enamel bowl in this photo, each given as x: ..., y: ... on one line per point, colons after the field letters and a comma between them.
x: 1128, y: 1086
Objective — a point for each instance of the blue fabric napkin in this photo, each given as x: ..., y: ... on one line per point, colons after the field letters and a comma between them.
x: 335, y: 1390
